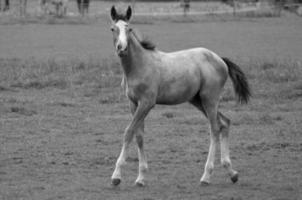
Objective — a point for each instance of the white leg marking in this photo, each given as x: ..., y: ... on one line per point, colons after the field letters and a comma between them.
x: 119, y: 163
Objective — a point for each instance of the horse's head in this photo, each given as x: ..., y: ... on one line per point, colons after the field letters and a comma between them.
x: 120, y: 30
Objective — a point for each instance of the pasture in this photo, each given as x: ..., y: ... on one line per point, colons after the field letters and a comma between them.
x: 62, y: 113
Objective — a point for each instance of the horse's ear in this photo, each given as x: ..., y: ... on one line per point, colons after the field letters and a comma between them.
x: 113, y: 13
x: 128, y: 13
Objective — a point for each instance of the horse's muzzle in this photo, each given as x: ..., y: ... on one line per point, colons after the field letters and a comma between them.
x: 122, y: 53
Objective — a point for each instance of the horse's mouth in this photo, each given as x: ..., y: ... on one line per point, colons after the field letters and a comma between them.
x: 122, y: 53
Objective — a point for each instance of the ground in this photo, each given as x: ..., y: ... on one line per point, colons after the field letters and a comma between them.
x: 62, y: 113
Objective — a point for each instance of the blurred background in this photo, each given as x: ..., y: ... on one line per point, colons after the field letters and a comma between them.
x: 62, y: 8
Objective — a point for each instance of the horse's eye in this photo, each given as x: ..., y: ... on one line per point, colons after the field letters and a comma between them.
x: 112, y: 29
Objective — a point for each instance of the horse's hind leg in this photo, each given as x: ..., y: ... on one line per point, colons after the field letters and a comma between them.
x: 224, y: 124
x: 211, y: 111
x: 208, y: 105
x: 219, y: 127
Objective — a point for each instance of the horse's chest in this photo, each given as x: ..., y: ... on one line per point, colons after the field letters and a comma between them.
x: 136, y: 91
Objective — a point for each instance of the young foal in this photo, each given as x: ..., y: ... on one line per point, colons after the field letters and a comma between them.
x: 154, y: 77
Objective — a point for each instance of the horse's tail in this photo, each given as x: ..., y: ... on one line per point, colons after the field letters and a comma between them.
x: 239, y: 80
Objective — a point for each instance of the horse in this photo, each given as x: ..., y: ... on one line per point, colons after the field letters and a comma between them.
x: 151, y: 77
x: 83, y: 6
x: 60, y: 6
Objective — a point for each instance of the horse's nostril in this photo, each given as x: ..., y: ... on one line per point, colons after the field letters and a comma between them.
x: 119, y: 47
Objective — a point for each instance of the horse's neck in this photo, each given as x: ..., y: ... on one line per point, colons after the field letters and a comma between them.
x: 133, y: 63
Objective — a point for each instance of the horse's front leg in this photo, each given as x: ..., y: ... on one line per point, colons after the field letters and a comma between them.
x: 143, y: 165
x: 143, y: 108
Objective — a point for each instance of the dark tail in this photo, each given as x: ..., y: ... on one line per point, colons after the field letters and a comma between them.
x: 239, y: 80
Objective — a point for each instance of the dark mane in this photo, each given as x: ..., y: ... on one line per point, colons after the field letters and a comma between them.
x: 144, y: 41
x: 147, y: 44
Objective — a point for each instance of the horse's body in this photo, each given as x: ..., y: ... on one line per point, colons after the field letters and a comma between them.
x: 154, y: 77
x: 172, y: 78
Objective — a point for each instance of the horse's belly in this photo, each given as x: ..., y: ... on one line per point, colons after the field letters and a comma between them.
x: 177, y: 93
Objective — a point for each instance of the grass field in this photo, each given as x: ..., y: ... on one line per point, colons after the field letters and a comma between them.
x: 62, y: 113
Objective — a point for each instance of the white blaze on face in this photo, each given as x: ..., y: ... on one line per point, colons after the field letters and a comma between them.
x: 121, y: 43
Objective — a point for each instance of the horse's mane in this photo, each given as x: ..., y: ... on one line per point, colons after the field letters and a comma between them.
x: 145, y: 42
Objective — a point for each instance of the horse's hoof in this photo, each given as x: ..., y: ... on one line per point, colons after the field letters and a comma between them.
x: 139, y: 183
x: 204, y: 183
x: 115, y: 181
x: 235, y: 178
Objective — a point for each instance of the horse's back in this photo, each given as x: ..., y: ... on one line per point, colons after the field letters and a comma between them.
x: 197, y: 60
